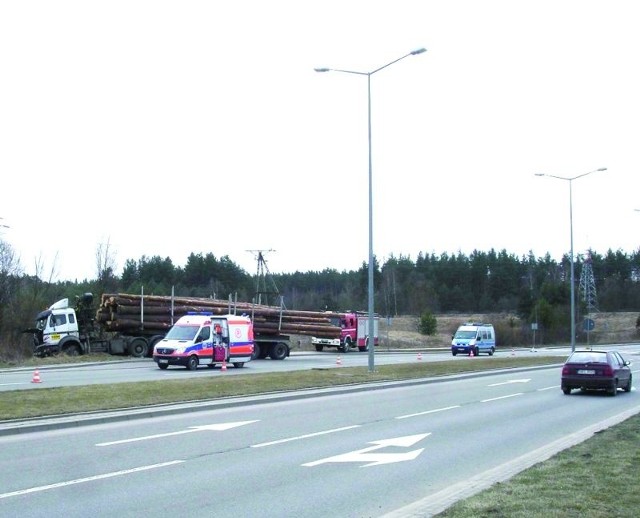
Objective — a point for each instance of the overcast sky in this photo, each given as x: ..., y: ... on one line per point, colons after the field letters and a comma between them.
x: 171, y: 127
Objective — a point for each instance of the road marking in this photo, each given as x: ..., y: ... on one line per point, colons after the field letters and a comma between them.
x: 375, y: 459
x: 548, y: 388
x: 509, y: 382
x: 280, y: 441
x: 501, y: 397
x: 89, y: 479
x: 209, y: 427
x: 428, y: 412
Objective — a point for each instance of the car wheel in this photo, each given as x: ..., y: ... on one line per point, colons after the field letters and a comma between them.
x: 613, y: 391
x: 627, y: 387
x: 192, y: 363
x: 163, y: 366
x: 566, y: 390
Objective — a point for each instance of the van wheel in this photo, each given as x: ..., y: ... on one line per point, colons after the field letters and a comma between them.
x: 476, y: 352
x: 192, y: 363
x: 491, y: 351
x: 454, y: 353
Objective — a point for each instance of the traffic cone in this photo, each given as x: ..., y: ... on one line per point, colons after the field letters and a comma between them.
x: 338, y: 361
x: 36, y: 377
x: 419, y: 356
x: 471, y: 355
x: 224, y: 365
x: 513, y: 352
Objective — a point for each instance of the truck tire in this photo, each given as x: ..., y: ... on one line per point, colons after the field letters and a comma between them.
x: 238, y: 365
x: 72, y: 350
x: 192, y: 362
x: 139, y: 348
x: 346, y: 347
x: 278, y: 351
x: 319, y: 348
x: 256, y: 351
x: 152, y: 343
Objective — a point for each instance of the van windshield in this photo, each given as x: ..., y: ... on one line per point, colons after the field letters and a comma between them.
x: 465, y: 335
x: 182, y: 332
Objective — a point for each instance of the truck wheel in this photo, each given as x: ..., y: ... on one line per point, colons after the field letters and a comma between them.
x: 238, y: 365
x: 319, y: 348
x: 139, y: 348
x: 152, y: 343
x: 347, y: 345
x: 192, y: 363
x: 256, y: 351
x: 278, y: 351
x: 72, y: 350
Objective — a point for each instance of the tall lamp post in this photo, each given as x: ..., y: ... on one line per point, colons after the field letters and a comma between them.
x: 573, y: 298
x: 370, y: 284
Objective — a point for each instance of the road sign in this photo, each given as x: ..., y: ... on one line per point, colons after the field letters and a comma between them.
x: 588, y: 324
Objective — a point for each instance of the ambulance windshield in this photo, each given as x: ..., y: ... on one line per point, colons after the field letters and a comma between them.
x: 182, y: 332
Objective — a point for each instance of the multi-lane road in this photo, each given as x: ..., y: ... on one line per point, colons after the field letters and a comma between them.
x: 405, y: 449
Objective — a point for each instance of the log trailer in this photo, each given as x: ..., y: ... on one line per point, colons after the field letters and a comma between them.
x: 133, y: 324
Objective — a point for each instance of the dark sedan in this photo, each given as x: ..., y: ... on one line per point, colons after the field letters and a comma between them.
x: 596, y: 370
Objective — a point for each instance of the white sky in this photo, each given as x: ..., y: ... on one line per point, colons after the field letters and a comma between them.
x: 171, y: 127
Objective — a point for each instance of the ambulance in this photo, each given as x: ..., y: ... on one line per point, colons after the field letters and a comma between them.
x: 204, y: 339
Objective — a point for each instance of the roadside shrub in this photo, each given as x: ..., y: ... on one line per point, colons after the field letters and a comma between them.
x: 428, y: 324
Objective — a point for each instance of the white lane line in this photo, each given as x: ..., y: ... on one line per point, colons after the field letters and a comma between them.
x: 89, y: 479
x: 501, y: 397
x: 555, y: 387
x: 280, y: 441
x: 428, y: 412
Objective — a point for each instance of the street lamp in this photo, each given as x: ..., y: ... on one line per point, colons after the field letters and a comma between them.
x: 370, y: 286
x: 573, y: 298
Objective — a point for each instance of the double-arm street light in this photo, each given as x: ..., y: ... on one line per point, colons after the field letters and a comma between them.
x: 370, y: 332
x: 573, y: 298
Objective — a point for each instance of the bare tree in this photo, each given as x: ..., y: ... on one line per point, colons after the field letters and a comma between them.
x: 105, y: 266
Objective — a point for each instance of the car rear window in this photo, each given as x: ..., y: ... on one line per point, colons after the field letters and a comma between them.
x: 588, y: 357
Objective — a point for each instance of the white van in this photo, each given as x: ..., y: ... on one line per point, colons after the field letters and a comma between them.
x: 475, y: 338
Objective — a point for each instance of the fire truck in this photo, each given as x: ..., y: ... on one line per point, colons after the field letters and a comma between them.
x: 354, y: 332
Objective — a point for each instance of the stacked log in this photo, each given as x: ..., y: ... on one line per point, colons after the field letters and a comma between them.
x: 122, y: 312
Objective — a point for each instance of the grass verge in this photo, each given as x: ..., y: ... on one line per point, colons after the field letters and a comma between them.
x: 37, y: 402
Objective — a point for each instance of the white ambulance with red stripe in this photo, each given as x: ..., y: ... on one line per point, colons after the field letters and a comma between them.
x: 206, y: 339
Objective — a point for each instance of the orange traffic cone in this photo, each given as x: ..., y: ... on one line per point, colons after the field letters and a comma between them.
x: 224, y: 365
x: 513, y: 352
x: 36, y: 377
x: 419, y: 356
x: 338, y: 361
x: 471, y: 353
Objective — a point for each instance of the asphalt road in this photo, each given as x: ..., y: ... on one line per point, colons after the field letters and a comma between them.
x: 400, y: 448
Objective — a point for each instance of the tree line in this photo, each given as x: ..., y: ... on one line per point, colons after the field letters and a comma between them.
x: 536, y: 289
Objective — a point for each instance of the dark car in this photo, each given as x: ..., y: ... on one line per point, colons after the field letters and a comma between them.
x: 596, y: 370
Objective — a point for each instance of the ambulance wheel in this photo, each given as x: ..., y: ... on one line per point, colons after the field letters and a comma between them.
x: 163, y: 366
x: 192, y: 363
x: 238, y: 365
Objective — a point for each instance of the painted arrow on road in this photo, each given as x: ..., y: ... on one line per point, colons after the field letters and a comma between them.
x: 510, y: 382
x: 208, y: 427
x: 375, y: 459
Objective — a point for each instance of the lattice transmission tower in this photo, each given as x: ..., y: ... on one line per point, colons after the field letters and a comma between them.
x: 588, y: 285
x: 266, y: 290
